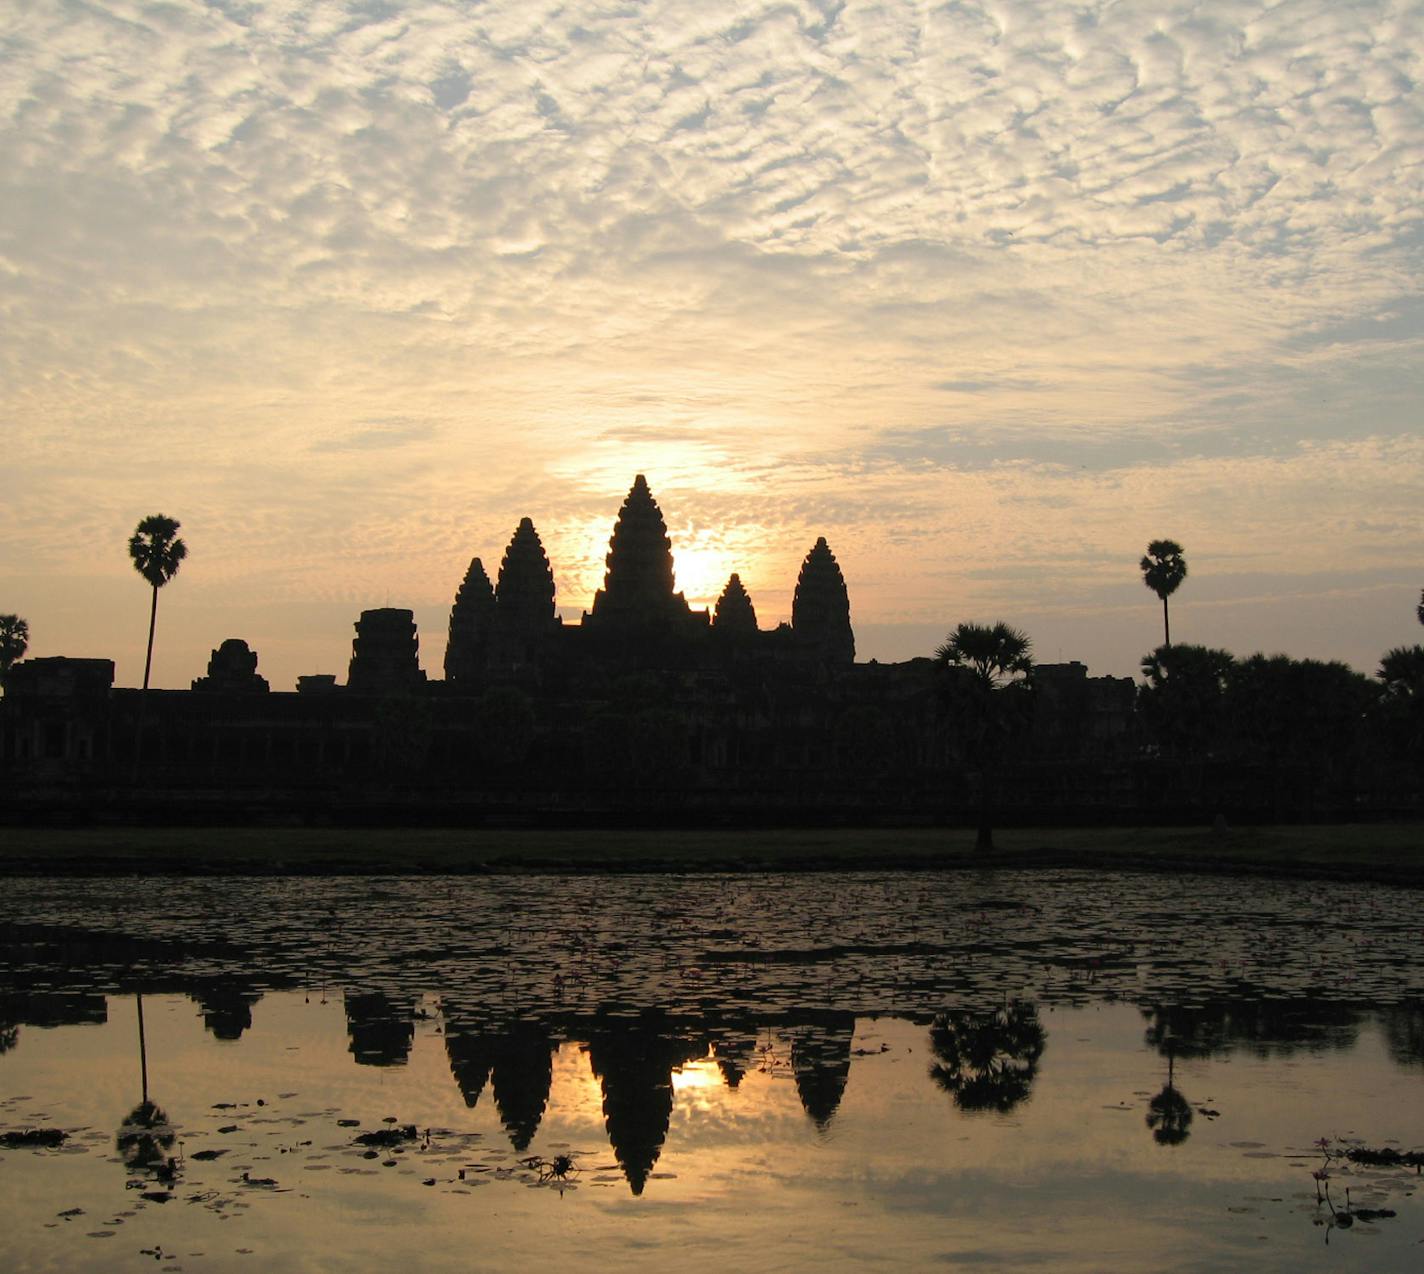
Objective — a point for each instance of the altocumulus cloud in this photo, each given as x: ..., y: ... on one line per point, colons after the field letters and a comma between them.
x: 951, y: 255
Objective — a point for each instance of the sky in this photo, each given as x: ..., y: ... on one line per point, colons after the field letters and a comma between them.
x: 989, y: 294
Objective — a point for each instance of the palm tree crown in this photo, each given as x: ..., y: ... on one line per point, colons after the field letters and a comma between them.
x: 156, y: 550
x: 1164, y: 567
x: 998, y: 655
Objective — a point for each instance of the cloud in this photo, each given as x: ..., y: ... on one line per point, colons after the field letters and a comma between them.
x: 382, y: 435
x: 939, y: 282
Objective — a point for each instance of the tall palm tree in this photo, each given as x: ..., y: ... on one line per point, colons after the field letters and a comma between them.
x: 14, y: 641
x: 157, y: 552
x: 992, y: 703
x: 1163, y: 569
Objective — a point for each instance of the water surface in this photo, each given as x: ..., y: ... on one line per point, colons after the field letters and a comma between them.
x: 993, y: 1070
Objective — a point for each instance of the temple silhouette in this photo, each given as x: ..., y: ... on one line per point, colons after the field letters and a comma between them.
x: 644, y: 708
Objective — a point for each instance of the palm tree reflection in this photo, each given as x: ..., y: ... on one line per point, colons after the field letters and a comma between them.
x: 145, y: 1138
x: 987, y: 1061
x: 1169, y: 1114
x: 145, y: 1141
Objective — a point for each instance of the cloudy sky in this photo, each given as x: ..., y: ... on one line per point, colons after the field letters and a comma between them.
x: 989, y: 293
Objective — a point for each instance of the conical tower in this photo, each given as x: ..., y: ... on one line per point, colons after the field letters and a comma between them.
x: 471, y: 622
x: 638, y: 586
x: 820, y: 610
x: 524, y: 597
x: 735, y: 613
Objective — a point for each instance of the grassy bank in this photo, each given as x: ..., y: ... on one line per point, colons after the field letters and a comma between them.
x: 1391, y: 853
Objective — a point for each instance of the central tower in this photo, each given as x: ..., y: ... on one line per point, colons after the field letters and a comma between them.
x: 637, y: 588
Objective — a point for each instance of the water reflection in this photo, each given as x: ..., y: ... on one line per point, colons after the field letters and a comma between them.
x: 380, y: 1027
x: 673, y: 1039
x: 987, y: 1061
x: 1267, y: 1027
x: 521, y: 1075
x: 820, y: 1061
x: 1169, y: 1114
x: 226, y: 1004
x: 145, y: 1141
x: 633, y: 1057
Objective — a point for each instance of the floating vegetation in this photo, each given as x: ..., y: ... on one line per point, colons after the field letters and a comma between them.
x: 1336, y: 1156
x: 1387, y: 1157
x: 33, y: 1139
x: 389, y: 1136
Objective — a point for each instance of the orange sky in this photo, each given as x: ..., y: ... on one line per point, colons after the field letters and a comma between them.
x: 988, y: 296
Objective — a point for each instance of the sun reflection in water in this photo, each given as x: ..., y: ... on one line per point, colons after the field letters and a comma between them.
x: 701, y: 1074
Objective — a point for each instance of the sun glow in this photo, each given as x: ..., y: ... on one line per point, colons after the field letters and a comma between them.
x: 700, y: 574
x: 701, y: 564
x: 699, y: 1074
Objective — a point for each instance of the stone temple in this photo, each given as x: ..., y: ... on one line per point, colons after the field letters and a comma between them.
x: 638, y: 622
x: 642, y: 708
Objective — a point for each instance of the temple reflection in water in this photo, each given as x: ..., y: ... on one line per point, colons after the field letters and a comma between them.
x: 985, y: 1061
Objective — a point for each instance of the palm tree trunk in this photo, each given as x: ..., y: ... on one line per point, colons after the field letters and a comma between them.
x: 1166, y: 626
x: 142, y: 1049
x: 153, y: 623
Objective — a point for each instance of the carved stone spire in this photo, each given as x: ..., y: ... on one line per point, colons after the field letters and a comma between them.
x: 637, y: 588
x: 524, y: 597
x: 471, y: 623
x: 820, y: 610
x: 735, y: 613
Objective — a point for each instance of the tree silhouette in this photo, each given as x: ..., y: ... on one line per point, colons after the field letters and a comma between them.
x: 1182, y: 701
x: 1169, y: 1116
x: 1401, y: 699
x: 156, y: 552
x: 1303, y: 721
x: 987, y: 1061
x: 1163, y: 569
x: 14, y: 641
x: 145, y: 1137
x: 991, y: 704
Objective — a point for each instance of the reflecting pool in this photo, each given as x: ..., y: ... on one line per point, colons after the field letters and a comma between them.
x: 992, y: 1070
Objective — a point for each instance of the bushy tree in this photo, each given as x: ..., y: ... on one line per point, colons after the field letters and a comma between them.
x: 1401, y: 700
x: 1298, y: 715
x: 1182, y: 700
x: 992, y: 705
x: 14, y: 641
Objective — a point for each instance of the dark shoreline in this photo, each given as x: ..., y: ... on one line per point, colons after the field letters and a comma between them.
x: 1387, y: 853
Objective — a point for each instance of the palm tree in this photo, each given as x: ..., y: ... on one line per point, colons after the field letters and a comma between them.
x: 157, y: 552
x: 1163, y: 569
x: 992, y: 703
x: 997, y: 655
x: 14, y: 641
